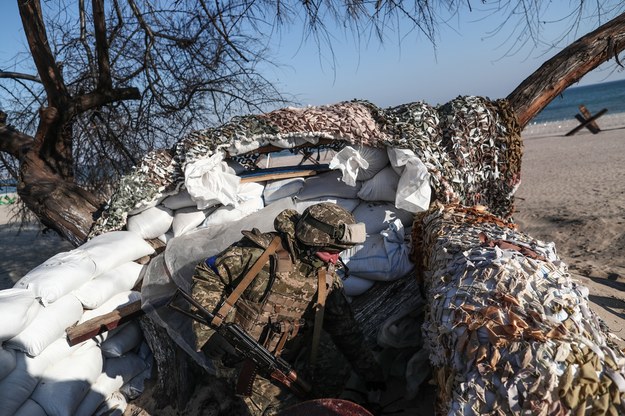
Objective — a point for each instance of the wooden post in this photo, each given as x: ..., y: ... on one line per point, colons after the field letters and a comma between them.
x: 587, y: 122
x: 592, y: 125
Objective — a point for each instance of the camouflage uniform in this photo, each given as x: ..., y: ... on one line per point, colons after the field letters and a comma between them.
x: 279, y: 302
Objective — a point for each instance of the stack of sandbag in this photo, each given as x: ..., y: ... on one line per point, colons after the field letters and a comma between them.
x: 470, y: 149
x: 507, y: 329
x: 40, y: 373
x: 382, y: 187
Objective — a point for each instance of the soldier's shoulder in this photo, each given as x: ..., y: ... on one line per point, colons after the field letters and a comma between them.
x: 257, y: 238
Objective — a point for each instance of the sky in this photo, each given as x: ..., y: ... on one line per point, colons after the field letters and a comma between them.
x: 465, y: 61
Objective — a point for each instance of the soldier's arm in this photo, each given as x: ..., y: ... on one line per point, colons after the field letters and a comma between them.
x: 215, y: 277
x: 207, y: 289
x: 340, y: 323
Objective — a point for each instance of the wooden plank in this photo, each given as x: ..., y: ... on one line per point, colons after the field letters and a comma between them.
x: 89, y: 329
x: 279, y: 175
x: 581, y: 126
x: 592, y: 126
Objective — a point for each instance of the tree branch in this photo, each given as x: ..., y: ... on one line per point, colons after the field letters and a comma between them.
x: 83, y: 34
x: 99, y: 98
x: 19, y: 75
x: 34, y: 28
x: 102, y: 48
x: 566, y: 68
x: 12, y: 141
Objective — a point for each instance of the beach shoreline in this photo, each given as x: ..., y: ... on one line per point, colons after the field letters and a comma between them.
x: 606, y: 123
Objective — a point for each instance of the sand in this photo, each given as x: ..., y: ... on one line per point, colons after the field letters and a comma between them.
x: 572, y: 193
x: 24, y: 246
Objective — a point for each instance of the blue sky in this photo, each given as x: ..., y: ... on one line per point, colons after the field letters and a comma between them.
x: 466, y: 62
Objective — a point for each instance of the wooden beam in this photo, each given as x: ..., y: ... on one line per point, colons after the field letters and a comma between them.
x: 272, y: 176
x: 586, y: 122
x: 592, y: 126
x: 89, y: 329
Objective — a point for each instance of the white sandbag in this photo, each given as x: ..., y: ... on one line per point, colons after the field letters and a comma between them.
x: 165, y: 238
x: 103, y: 287
x: 187, y: 219
x: 224, y: 214
x: 59, y: 275
x: 7, y: 361
x: 326, y: 185
x: 359, y: 163
x: 413, y: 190
x: 64, y: 384
x: 143, y: 205
x: 120, y: 299
x: 30, y: 408
x: 382, y: 257
x: 379, y: 215
x: 17, y: 387
x: 275, y: 190
x: 348, y: 203
x: 48, y: 326
x: 114, y: 405
x: 398, y: 158
x: 151, y: 223
x: 112, y: 249
x: 15, y: 311
x: 117, y: 372
x: 123, y: 341
x: 355, y: 286
x: 211, y: 181
x: 250, y: 190
x: 382, y: 187
x: 181, y: 200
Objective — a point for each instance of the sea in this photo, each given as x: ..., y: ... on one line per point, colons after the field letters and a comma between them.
x: 610, y: 95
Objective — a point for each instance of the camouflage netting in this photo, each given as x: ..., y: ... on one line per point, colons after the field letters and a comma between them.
x: 508, y: 330
x: 471, y: 147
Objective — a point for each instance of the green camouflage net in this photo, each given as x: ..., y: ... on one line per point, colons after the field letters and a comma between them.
x: 471, y: 147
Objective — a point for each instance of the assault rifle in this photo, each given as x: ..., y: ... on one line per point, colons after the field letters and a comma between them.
x: 256, y: 357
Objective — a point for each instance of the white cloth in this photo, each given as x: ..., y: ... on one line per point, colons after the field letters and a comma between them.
x: 349, y: 161
x: 211, y: 181
x: 413, y: 190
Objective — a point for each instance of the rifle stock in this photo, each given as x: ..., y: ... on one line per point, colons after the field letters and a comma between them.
x: 245, y: 346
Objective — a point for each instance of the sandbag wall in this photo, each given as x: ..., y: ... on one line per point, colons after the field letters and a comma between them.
x: 507, y: 329
x: 40, y: 373
x: 382, y: 187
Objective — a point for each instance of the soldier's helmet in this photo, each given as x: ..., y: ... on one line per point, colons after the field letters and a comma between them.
x: 329, y: 227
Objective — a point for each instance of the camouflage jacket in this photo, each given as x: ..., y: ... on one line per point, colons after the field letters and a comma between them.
x: 276, y: 297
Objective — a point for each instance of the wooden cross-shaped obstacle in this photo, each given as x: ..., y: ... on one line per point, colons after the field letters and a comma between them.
x: 587, y: 120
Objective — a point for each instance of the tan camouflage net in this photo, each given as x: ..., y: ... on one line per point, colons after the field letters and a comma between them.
x: 508, y: 330
x: 471, y: 146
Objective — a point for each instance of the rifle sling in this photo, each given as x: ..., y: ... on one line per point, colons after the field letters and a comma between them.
x: 247, y: 279
x: 320, y: 309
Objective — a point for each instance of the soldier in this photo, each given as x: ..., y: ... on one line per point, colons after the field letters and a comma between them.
x: 284, y: 304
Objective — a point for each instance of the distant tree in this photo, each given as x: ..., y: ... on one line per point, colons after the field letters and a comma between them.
x: 112, y: 80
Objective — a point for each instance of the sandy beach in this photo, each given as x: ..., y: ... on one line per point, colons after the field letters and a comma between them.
x: 572, y: 193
